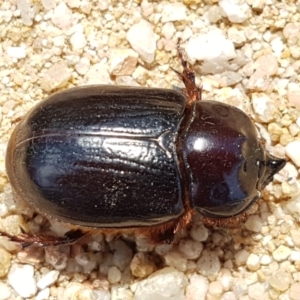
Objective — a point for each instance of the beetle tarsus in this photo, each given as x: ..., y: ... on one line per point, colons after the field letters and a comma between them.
x: 193, y: 91
x: 30, y: 239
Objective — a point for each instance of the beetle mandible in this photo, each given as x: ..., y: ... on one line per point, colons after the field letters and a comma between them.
x: 143, y: 160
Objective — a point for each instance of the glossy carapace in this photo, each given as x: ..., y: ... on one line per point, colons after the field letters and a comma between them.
x: 144, y: 159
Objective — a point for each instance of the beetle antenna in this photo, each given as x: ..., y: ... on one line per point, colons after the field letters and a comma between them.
x: 193, y: 91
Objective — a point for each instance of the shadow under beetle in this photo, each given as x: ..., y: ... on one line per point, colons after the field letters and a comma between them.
x: 143, y: 160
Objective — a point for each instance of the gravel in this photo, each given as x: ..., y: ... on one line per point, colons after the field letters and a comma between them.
x: 249, y: 52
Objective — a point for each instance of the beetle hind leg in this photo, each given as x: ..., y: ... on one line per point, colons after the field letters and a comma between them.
x: 30, y: 239
x: 193, y: 91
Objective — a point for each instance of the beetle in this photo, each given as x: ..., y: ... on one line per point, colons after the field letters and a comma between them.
x: 143, y: 160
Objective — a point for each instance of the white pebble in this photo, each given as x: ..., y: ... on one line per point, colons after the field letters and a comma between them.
x: 62, y: 16
x: 78, y: 41
x: 57, y: 76
x: 237, y: 11
x: 5, y: 292
x: 48, y: 279
x: 254, y: 223
x: 280, y: 280
x: 21, y: 278
x: 241, y: 257
x: 265, y: 259
x: 215, y: 289
x: 122, y: 62
x: 57, y: 256
x: 281, y: 253
x: 293, y: 94
x: 229, y: 296
x: 253, y: 262
x: 16, y: 52
x: 114, y: 275
x: 176, y: 260
x: 191, y: 249
x: 197, y: 288
x: 142, y: 39
x: 225, y: 278
x: 210, y: 46
x: 28, y: 11
x: 256, y: 291
x: 167, y: 283
x: 43, y: 294
x: 199, y: 233
x: 292, y: 150
x: 168, y: 30
x: 82, y: 66
x: 173, y: 12
x: 209, y: 264
x: 264, y: 107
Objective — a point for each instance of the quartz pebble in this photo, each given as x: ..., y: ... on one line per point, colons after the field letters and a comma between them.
x: 197, y: 288
x: 21, y: 278
x: 293, y: 94
x: 122, y: 62
x: 114, y: 274
x: 5, y: 292
x: 176, y: 260
x: 213, y: 45
x: 167, y: 283
x: 208, y: 264
x: 294, y: 291
x: 173, y: 12
x: 237, y: 11
x: 254, y: 223
x: 48, y: 279
x: 256, y: 291
x: 199, y: 233
x: 98, y: 74
x: 253, y: 262
x: 43, y: 294
x: 280, y: 280
x: 241, y: 257
x: 16, y: 52
x: 142, y: 39
x: 292, y: 150
x: 57, y: 76
x: 281, y: 253
x: 142, y: 265
x: 5, y: 262
x: 191, y: 249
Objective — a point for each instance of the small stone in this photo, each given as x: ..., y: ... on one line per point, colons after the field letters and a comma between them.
x: 268, y: 64
x: 168, y: 30
x: 142, y: 265
x: 176, y: 260
x: 21, y: 278
x: 98, y: 74
x: 142, y: 39
x: 48, y: 279
x: 120, y: 293
x: 197, y: 288
x: 292, y: 150
x: 241, y: 257
x: 122, y: 254
x: 265, y: 259
x: 215, y: 289
x: 122, y: 62
x: 256, y: 291
x: 237, y: 36
x: 5, y: 262
x: 254, y: 223
x: 225, y: 278
x: 28, y: 11
x: 264, y: 107
x: 293, y: 94
x: 213, y: 45
x: 62, y: 16
x: 16, y: 52
x: 294, y: 291
x: 295, y: 235
x: 191, y: 249
x: 229, y: 296
x: 167, y: 283
x: 237, y: 11
x: 78, y: 40
x: 83, y: 66
x: 280, y: 280
x: 5, y: 292
x: 57, y: 76
x: 31, y: 255
x: 209, y: 264
x: 48, y: 4
x: 199, y: 233
x: 253, y: 262
x: 114, y: 275
x: 230, y: 78
x: 282, y: 253
x: 57, y: 256
x: 258, y: 5
x: 173, y: 12
x: 43, y: 294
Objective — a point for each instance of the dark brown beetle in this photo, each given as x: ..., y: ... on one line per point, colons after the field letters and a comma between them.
x: 115, y: 158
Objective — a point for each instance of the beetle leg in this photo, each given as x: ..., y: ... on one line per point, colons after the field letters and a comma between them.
x: 193, y: 91
x: 30, y: 239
